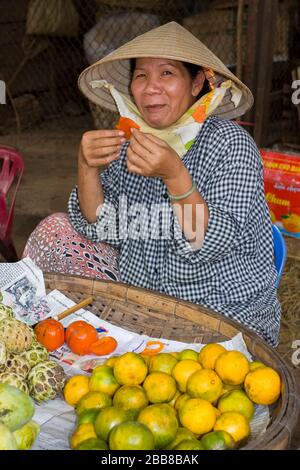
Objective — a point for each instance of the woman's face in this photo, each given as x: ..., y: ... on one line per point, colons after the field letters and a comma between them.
x: 163, y: 90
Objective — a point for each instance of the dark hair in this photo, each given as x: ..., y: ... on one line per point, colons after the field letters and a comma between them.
x: 193, y: 69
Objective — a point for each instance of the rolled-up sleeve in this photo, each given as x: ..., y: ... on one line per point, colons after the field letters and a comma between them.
x: 106, y: 227
x: 229, y: 193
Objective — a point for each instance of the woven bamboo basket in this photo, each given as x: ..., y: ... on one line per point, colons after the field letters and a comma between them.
x: 157, y: 315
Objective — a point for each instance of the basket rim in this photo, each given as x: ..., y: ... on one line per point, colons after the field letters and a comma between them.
x: 288, y: 414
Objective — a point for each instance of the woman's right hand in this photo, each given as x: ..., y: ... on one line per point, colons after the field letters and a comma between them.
x: 99, y: 148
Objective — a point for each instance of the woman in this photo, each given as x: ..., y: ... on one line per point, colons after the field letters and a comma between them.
x: 180, y: 194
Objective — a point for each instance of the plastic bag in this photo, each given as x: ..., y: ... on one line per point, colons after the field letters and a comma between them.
x: 282, y: 190
x: 52, y: 17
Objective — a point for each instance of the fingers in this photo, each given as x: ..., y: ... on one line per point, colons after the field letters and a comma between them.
x: 134, y: 169
x: 102, y: 161
x: 105, y: 139
x: 104, y: 151
x: 141, y: 139
x: 100, y: 147
x: 148, y: 141
x: 103, y: 133
x: 138, y: 148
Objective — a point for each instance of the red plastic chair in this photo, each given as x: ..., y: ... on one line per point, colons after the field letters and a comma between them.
x: 11, y: 171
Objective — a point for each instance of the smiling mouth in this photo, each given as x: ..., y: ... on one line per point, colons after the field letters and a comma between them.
x: 154, y: 108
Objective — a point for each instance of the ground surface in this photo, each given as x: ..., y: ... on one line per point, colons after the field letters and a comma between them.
x: 50, y: 153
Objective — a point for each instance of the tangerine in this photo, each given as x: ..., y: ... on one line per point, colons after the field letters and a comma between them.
x: 131, y: 436
x: 232, y: 367
x: 159, y: 387
x: 235, y: 424
x: 130, y: 397
x: 183, y: 370
x: 93, y: 400
x: 162, y: 362
x: 236, y: 400
x: 130, y: 369
x: 75, y: 388
x: 108, y: 418
x: 263, y: 386
x: 206, y: 384
x: 162, y: 422
x: 197, y: 415
x: 209, y: 354
x: 103, y: 380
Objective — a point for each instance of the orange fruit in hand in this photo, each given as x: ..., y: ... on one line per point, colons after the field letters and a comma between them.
x: 50, y: 333
x: 79, y: 337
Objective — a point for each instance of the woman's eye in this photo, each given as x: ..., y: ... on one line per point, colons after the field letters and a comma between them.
x: 167, y: 72
x: 139, y: 75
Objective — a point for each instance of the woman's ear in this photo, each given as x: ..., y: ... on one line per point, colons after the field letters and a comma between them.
x: 198, y: 82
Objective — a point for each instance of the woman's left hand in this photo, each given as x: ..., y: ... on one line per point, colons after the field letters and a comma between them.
x: 150, y: 156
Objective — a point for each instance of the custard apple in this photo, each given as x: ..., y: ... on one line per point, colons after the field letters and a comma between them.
x: 46, y: 380
x: 17, y: 381
x: 16, y: 335
x: 17, y: 364
x: 3, y: 355
x: 36, y: 354
x: 5, y: 312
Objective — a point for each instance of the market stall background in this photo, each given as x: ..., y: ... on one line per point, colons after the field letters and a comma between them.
x: 45, y: 114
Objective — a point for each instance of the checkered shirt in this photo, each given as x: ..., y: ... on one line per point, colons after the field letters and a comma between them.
x: 233, y: 272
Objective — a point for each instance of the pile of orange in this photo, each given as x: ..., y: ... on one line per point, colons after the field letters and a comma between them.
x: 181, y: 401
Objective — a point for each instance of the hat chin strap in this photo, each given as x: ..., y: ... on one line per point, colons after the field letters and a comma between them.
x: 182, y: 134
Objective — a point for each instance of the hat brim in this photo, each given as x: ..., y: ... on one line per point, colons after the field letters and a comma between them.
x: 179, y: 45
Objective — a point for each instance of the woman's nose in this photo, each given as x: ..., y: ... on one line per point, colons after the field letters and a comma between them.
x: 152, y: 85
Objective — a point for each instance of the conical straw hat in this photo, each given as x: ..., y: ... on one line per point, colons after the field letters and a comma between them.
x: 170, y: 41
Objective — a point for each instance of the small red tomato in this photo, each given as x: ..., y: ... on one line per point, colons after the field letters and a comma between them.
x: 50, y: 333
x: 79, y: 336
